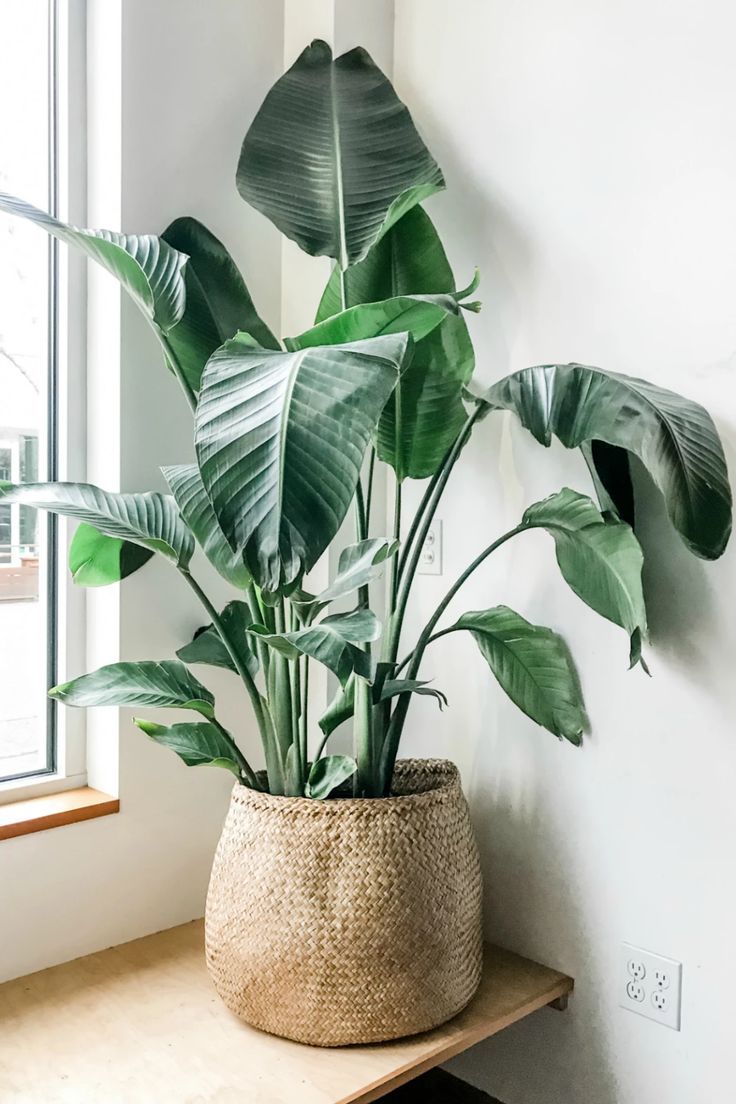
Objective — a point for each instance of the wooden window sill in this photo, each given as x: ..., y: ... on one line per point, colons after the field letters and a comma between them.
x: 36, y: 814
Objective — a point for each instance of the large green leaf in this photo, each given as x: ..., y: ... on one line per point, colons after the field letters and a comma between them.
x: 327, y: 774
x: 342, y: 706
x: 149, y: 519
x: 280, y: 439
x: 207, y: 646
x: 357, y: 566
x: 168, y: 685
x: 333, y: 641
x: 146, y: 266
x: 218, y: 304
x: 410, y: 260
x: 333, y: 157
x: 600, y: 559
x: 414, y: 314
x: 97, y: 560
x: 673, y: 437
x: 196, y: 509
x: 426, y: 413
x: 199, y: 744
x: 532, y: 664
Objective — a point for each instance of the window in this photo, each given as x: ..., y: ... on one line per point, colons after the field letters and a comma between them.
x: 28, y: 388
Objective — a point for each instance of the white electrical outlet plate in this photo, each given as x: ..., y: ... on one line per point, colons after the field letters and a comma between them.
x: 430, y: 559
x: 650, y: 985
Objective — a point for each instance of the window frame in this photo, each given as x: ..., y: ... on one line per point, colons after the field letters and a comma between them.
x: 66, y: 409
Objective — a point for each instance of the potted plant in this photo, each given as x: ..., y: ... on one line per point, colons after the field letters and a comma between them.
x: 344, y: 904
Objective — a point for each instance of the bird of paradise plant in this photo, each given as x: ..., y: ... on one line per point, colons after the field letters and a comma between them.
x: 289, y: 436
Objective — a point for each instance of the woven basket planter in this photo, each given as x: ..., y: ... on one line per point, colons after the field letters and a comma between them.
x: 348, y: 920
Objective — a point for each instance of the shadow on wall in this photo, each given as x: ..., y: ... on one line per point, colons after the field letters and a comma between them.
x: 680, y: 590
x: 545, y: 896
x: 581, y: 1031
x: 484, y: 234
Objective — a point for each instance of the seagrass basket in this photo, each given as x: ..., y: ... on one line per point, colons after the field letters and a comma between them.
x: 348, y: 920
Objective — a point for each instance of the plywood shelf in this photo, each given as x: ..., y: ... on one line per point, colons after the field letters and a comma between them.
x: 142, y: 1022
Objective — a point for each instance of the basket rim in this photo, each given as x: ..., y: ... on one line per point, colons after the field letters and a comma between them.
x: 444, y: 779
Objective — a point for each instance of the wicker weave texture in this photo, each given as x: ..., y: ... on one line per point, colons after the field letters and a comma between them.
x: 348, y: 920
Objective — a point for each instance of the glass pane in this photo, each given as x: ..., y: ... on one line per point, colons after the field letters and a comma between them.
x: 25, y: 165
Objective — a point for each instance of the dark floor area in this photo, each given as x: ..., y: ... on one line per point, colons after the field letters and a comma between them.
x: 438, y: 1087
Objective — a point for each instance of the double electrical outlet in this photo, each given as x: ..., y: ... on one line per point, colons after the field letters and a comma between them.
x: 430, y: 558
x: 651, y: 985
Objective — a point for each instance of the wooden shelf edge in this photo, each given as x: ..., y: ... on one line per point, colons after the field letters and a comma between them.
x: 36, y: 814
x: 560, y: 990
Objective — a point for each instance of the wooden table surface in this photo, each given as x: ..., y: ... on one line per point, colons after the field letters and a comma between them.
x: 142, y: 1024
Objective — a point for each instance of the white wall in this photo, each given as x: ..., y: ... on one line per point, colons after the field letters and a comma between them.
x: 190, y: 77
x: 590, y: 157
